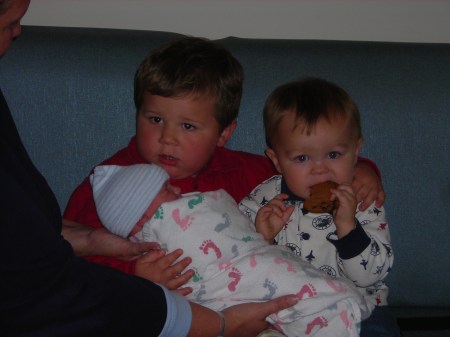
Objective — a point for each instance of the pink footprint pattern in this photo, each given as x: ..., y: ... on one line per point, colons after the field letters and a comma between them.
x: 290, y: 265
x: 208, y: 245
x: 320, y: 322
x: 184, y: 223
x: 224, y: 265
x: 236, y: 275
x: 346, y: 320
x: 253, y: 259
x: 307, y: 289
x: 216, y: 195
x: 338, y: 288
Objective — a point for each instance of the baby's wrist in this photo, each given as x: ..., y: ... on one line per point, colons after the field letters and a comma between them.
x: 344, y: 229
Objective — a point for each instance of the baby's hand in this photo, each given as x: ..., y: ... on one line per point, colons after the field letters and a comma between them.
x: 344, y: 214
x: 272, y: 217
x: 157, y: 266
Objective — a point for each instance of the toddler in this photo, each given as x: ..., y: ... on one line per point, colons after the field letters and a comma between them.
x: 313, y: 135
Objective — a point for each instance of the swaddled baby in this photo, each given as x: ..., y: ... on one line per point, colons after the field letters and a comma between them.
x: 232, y: 262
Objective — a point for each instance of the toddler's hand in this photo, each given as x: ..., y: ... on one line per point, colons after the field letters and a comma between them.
x: 157, y: 266
x: 272, y: 217
x: 344, y: 214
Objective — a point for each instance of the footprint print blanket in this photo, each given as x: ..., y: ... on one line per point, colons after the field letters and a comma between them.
x: 234, y: 264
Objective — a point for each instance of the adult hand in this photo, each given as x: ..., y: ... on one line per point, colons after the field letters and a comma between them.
x: 246, y: 320
x: 89, y: 241
x: 367, y: 186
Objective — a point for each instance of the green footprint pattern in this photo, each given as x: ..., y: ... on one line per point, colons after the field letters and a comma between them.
x: 159, y: 214
x: 194, y: 202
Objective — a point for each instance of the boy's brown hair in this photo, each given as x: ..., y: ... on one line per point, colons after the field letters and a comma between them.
x: 192, y: 66
x: 310, y: 99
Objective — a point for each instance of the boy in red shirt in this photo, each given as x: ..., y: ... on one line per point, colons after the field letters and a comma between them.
x: 187, y: 95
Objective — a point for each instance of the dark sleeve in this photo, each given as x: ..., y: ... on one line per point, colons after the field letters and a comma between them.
x: 353, y: 244
x: 45, y: 289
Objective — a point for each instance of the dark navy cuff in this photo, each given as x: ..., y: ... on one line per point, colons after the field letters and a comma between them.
x: 353, y: 244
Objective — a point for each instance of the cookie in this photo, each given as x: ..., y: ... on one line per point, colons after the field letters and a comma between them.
x: 319, y: 200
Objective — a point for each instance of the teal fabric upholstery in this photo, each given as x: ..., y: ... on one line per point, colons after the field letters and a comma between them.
x: 71, y: 93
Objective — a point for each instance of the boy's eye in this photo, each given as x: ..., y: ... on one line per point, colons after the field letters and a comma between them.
x: 188, y: 127
x: 301, y: 158
x: 334, y: 155
x: 155, y: 120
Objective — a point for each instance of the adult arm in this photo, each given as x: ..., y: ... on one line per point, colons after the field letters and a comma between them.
x: 43, y: 282
x: 81, y: 209
x: 367, y: 184
x: 86, y: 240
x: 241, y: 320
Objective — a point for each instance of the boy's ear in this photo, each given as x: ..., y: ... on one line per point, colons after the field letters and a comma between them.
x: 273, y: 157
x: 226, y: 134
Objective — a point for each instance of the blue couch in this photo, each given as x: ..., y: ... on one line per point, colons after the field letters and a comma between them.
x: 70, y: 91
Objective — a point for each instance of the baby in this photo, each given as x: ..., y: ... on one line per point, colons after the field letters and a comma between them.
x: 232, y: 262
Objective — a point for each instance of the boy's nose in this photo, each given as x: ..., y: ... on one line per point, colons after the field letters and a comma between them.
x: 168, y: 136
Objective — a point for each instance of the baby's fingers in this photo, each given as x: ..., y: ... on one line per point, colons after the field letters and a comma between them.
x: 184, y: 291
x: 180, y: 280
x: 175, y: 270
x: 278, y: 202
x: 288, y: 213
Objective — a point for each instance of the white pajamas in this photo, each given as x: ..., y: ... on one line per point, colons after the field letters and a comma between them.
x: 364, y: 256
x: 234, y: 264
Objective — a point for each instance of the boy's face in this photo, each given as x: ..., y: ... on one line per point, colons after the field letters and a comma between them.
x: 179, y: 133
x: 330, y: 152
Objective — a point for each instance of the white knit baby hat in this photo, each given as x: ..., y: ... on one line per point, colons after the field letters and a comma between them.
x: 122, y: 194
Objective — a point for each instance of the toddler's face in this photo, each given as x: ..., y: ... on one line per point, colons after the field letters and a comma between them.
x: 330, y: 152
x: 179, y: 133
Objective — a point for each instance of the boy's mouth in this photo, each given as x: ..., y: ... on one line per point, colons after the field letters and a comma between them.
x: 167, y: 160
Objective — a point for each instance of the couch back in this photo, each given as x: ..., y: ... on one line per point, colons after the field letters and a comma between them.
x: 71, y: 94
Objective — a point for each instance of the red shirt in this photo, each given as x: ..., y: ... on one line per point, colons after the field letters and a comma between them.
x: 236, y: 172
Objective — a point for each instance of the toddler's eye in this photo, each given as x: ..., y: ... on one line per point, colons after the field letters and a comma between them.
x: 301, y: 159
x: 188, y: 127
x: 334, y: 155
